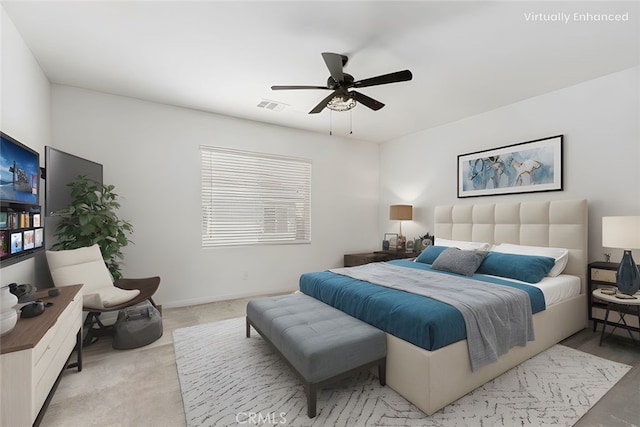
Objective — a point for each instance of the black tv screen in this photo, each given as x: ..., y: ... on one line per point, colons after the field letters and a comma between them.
x: 60, y: 169
x: 19, y: 172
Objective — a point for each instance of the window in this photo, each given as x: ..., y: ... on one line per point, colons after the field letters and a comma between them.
x: 253, y: 198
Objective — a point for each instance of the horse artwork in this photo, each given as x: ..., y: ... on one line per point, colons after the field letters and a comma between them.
x: 530, y: 166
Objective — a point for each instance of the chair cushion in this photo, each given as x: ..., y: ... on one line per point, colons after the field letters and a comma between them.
x: 57, y: 259
x: 85, y: 266
x: 93, y: 275
x: 108, y: 297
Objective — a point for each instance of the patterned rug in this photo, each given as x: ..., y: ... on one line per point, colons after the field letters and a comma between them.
x: 228, y: 380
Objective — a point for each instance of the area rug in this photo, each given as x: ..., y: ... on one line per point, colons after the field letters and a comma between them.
x: 228, y: 379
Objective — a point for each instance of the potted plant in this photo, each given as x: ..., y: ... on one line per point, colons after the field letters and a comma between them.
x: 91, y: 219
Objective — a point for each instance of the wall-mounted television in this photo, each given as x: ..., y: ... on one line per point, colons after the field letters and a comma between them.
x: 60, y: 169
x: 20, y: 221
x: 19, y: 172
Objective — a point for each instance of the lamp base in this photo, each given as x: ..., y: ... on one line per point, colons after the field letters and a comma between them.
x: 628, y: 276
x: 402, y: 243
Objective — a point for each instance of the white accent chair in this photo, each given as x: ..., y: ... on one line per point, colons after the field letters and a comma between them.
x: 100, y: 294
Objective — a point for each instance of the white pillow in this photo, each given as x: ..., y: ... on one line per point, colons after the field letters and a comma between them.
x: 561, y: 255
x: 461, y: 244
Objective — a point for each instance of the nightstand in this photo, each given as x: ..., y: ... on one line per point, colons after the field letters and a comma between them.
x: 352, y: 260
x: 603, y: 275
x: 622, y: 307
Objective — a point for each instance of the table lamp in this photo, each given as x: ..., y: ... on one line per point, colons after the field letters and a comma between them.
x: 401, y: 213
x: 623, y: 232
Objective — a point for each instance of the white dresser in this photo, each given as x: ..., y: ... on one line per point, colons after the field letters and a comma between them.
x: 35, y: 353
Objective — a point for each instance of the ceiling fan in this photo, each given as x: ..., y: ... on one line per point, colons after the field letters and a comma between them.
x: 343, y: 99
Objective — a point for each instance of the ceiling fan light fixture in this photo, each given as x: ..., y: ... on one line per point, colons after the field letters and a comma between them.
x: 341, y: 103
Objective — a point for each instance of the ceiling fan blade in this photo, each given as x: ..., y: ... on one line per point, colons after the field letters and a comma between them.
x: 366, y: 101
x: 398, y: 76
x: 335, y: 62
x: 297, y: 87
x: 323, y: 103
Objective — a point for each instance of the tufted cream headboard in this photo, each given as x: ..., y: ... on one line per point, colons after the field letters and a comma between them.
x: 559, y: 224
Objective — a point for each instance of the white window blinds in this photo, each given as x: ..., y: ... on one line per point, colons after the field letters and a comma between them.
x: 253, y: 198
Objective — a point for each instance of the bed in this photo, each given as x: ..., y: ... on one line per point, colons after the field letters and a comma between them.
x: 431, y: 379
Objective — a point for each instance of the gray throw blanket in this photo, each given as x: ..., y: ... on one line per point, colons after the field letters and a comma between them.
x: 496, y: 317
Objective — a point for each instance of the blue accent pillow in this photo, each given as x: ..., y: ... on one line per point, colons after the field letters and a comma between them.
x: 430, y: 253
x: 528, y: 268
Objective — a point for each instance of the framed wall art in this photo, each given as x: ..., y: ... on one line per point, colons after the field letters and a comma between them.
x: 392, y: 238
x: 525, y: 167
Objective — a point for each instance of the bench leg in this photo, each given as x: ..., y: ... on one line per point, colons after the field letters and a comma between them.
x: 382, y: 372
x: 311, y: 399
x: 248, y: 328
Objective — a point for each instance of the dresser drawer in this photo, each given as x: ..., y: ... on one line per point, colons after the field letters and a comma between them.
x: 59, y: 357
x: 55, y: 333
x: 602, y: 275
x: 69, y: 322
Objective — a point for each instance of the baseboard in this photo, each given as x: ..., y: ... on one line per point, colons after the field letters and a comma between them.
x: 207, y: 300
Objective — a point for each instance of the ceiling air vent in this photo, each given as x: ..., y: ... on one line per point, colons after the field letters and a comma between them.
x: 272, y: 105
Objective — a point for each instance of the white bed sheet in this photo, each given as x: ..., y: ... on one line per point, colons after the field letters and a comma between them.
x: 554, y: 289
x: 560, y: 288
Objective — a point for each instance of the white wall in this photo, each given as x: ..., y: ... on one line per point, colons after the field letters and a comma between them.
x: 600, y: 120
x: 150, y: 153
x: 25, y: 115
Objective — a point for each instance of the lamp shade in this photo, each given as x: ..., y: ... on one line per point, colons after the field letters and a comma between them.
x: 621, y: 232
x: 401, y: 212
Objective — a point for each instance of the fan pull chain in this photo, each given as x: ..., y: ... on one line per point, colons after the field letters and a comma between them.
x: 350, y: 122
x: 330, y: 122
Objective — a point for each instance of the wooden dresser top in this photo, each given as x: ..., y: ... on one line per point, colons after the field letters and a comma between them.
x: 28, y: 332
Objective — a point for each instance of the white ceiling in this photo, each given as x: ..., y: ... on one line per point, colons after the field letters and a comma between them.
x: 222, y: 56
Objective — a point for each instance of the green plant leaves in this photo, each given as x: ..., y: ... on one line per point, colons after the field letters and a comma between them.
x: 91, y: 219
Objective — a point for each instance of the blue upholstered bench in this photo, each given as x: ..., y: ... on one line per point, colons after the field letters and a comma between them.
x: 322, y: 344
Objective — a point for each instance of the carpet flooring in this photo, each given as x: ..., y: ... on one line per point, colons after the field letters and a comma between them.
x: 227, y: 379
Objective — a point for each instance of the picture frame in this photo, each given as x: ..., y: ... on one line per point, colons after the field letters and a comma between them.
x: 28, y: 239
x: 4, y: 243
x: 526, y: 167
x: 39, y: 237
x: 16, y: 242
x: 392, y: 238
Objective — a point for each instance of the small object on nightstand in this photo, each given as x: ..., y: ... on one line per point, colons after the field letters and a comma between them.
x: 385, y: 245
x: 53, y: 292
x: 609, y: 291
x: 625, y: 296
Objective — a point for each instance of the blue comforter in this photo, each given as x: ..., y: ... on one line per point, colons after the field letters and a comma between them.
x: 422, y: 321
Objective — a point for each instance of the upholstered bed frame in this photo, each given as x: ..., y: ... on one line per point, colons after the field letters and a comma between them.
x: 433, y: 379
